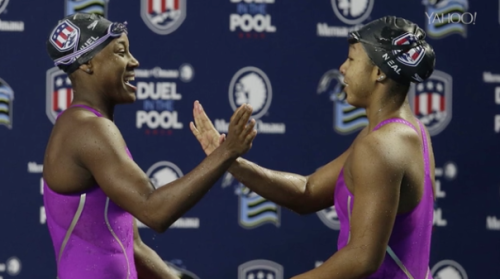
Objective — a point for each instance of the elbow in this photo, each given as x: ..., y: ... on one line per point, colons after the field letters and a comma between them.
x: 370, y: 265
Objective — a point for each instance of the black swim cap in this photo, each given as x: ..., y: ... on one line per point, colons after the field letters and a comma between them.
x: 398, y: 47
x: 79, y: 37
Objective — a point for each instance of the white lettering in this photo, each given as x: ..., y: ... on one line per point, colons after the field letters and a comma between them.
x: 323, y: 30
x: 497, y: 123
x: 155, y: 119
x: 491, y: 78
x: 439, y: 193
x: 438, y: 218
x: 35, y: 168
x: 385, y: 56
x: 266, y: 128
x: 15, y: 26
x: 164, y: 91
x: 43, y: 216
x: 492, y: 223
x: 247, y: 23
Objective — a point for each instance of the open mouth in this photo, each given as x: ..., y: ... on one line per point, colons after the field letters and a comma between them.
x: 128, y: 80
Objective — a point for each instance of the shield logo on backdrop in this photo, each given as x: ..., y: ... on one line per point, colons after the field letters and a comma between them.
x: 59, y: 93
x: 86, y: 6
x: 163, y: 16
x: 431, y: 101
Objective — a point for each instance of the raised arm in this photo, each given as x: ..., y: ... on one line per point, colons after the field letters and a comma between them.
x: 102, y: 152
x: 302, y: 194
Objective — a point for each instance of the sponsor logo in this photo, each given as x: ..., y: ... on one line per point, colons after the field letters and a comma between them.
x: 6, y: 104
x: 250, y: 85
x: 494, y: 78
x: 180, y: 270
x: 411, y: 57
x: 65, y: 36
x: 157, y: 89
x: 164, y: 172
x: 350, y: 12
x: 10, y: 26
x: 447, y: 17
x: 251, y: 19
x: 12, y: 266
x: 260, y: 269
x: 448, y: 172
x: 163, y: 16
x: 448, y: 269
x: 253, y: 210
x: 346, y: 118
x: 86, y: 6
x: 431, y: 101
x: 330, y: 218
x: 59, y: 93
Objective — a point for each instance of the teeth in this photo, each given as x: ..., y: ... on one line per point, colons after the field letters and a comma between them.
x: 132, y: 78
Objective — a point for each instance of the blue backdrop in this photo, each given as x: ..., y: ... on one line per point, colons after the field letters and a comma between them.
x: 282, y: 57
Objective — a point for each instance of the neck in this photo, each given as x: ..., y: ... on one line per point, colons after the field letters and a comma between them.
x: 385, y: 107
x: 98, y: 103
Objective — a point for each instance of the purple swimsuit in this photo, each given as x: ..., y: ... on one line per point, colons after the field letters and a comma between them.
x: 408, y: 250
x: 92, y: 236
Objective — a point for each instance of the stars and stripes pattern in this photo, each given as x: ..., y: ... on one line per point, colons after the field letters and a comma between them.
x: 65, y: 36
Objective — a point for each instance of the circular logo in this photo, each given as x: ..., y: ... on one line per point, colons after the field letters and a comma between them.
x: 163, y: 172
x: 330, y: 218
x: 448, y: 269
x: 352, y: 11
x: 3, y: 5
x: 251, y: 85
x: 186, y: 72
x: 13, y: 266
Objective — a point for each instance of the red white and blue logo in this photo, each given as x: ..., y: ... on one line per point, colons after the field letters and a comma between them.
x: 431, y: 101
x: 411, y: 57
x: 163, y: 16
x: 65, y: 36
x: 59, y: 93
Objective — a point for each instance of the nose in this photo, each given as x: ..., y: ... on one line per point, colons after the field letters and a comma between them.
x: 133, y: 63
x: 343, y: 68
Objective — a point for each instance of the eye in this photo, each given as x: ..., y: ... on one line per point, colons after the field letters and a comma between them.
x: 121, y: 52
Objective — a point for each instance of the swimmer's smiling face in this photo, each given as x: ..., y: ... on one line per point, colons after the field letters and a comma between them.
x: 113, y: 69
x: 359, y: 76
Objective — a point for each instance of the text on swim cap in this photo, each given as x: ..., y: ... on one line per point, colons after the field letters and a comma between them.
x: 392, y: 63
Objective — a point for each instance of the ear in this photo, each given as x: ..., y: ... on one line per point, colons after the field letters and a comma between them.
x: 380, y: 75
x: 87, y: 67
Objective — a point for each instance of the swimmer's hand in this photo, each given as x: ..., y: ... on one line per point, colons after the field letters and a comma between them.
x: 241, y: 132
x: 204, y: 130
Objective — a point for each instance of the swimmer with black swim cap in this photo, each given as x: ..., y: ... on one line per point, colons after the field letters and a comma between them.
x: 382, y: 186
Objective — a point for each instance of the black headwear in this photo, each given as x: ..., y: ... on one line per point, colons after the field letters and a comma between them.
x: 398, y: 47
x: 79, y: 37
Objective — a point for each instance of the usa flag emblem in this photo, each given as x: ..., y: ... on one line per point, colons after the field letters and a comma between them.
x: 411, y: 57
x: 431, y: 101
x: 163, y: 16
x: 59, y: 93
x: 65, y: 36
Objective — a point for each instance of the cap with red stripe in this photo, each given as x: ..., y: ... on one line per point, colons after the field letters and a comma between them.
x: 79, y: 37
x: 398, y: 47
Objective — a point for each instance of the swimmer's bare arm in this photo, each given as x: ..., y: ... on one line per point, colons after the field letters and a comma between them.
x: 377, y: 169
x: 101, y: 150
x: 302, y: 194
x: 148, y: 264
